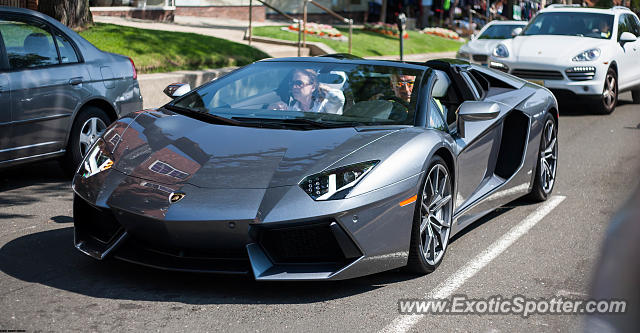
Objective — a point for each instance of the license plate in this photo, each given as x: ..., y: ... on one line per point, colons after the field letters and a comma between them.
x: 539, y: 82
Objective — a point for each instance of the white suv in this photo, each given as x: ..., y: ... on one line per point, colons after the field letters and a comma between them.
x: 577, y: 51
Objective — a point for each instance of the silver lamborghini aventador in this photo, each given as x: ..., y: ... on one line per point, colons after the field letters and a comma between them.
x: 315, y: 168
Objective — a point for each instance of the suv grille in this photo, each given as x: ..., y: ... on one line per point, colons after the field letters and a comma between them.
x: 537, y: 74
x: 480, y: 57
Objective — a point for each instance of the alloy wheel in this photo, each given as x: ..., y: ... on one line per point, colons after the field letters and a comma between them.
x: 90, y: 131
x: 609, y: 92
x: 549, y: 156
x: 435, y: 213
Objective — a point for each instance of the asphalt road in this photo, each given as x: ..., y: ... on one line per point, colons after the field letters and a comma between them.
x: 45, y: 284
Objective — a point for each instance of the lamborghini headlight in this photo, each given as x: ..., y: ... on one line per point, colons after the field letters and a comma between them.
x: 587, y: 55
x: 335, y: 183
x: 501, y: 51
x: 97, y: 160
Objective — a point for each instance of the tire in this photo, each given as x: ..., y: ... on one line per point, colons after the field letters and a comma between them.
x: 547, y: 166
x: 433, y: 212
x: 635, y: 94
x: 83, y: 134
x: 609, y: 98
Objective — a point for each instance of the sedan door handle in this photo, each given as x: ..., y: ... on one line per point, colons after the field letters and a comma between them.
x: 75, y: 81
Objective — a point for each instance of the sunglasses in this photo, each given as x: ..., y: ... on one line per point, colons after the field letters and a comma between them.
x: 299, y: 83
x: 400, y: 84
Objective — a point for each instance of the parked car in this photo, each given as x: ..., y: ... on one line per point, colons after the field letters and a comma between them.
x: 479, y: 48
x: 58, y: 92
x: 577, y: 53
x: 315, y: 168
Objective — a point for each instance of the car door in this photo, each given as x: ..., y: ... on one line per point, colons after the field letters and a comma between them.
x: 627, y: 54
x: 634, y: 26
x: 480, y: 142
x: 45, y: 82
x: 5, y: 108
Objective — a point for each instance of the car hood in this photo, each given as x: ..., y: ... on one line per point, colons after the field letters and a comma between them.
x: 481, y: 46
x: 169, y: 148
x: 550, y: 49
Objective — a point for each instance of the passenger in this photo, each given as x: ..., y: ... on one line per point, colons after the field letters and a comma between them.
x: 308, y: 95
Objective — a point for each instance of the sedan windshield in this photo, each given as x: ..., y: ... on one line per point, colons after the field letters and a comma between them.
x: 571, y: 24
x: 308, y: 95
x: 499, y: 31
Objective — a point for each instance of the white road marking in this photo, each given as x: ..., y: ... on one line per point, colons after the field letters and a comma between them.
x: 403, y: 323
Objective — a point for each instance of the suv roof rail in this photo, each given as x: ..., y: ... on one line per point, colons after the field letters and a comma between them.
x: 559, y: 5
x: 620, y: 8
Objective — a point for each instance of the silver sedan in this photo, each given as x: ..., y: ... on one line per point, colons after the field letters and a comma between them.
x: 58, y: 92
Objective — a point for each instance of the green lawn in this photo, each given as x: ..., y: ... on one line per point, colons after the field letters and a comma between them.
x: 164, y: 51
x: 367, y: 43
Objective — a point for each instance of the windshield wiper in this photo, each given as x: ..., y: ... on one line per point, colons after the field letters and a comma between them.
x: 204, y: 116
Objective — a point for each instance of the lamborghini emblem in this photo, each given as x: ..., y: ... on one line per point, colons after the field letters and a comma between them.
x: 176, y: 196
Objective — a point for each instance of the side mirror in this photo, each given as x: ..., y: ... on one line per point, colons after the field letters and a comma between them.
x: 475, y: 111
x: 516, y: 31
x: 176, y: 90
x: 474, y: 36
x: 627, y: 37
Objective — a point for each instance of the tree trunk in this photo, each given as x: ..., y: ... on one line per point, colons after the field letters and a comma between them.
x: 73, y: 13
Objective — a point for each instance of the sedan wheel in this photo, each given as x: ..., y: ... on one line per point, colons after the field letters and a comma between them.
x: 91, y: 130
x: 88, y: 126
x: 432, y: 225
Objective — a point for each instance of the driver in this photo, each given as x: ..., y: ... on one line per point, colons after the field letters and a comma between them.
x: 605, y: 30
x: 308, y: 95
x: 402, y: 86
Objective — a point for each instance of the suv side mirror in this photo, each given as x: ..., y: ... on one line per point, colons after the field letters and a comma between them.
x: 475, y: 111
x: 176, y: 90
x: 627, y: 37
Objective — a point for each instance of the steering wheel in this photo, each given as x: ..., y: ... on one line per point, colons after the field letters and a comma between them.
x: 397, y: 100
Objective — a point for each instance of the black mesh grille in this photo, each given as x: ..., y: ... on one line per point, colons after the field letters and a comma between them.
x: 96, y: 223
x: 302, y: 244
x: 537, y: 74
x: 480, y: 57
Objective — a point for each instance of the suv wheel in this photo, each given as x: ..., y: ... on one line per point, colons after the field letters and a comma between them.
x: 636, y: 95
x: 609, y: 97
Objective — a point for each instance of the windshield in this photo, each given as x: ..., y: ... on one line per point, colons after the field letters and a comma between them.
x: 499, y: 31
x: 303, y: 93
x: 571, y: 24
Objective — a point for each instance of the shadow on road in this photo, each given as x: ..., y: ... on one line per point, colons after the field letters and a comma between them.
x: 494, y: 214
x: 571, y: 108
x: 49, y: 258
x: 46, y: 178
x: 44, y: 173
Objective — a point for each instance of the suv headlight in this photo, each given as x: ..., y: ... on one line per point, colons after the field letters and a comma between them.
x: 501, y: 51
x: 335, y: 183
x: 587, y: 55
x: 97, y: 160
